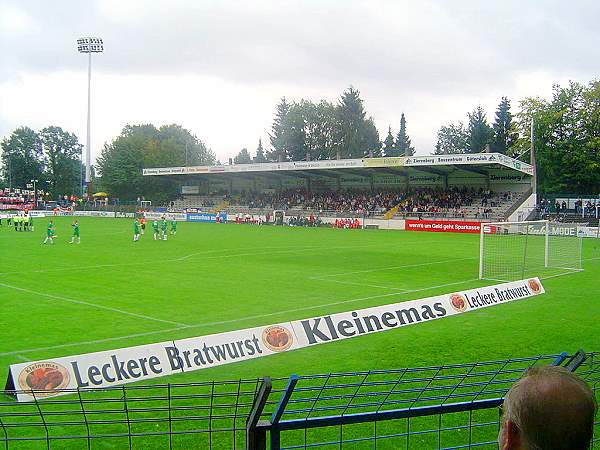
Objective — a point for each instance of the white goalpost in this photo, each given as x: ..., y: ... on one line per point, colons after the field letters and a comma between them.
x: 516, y: 250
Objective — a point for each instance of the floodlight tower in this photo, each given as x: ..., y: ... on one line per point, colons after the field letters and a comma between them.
x: 89, y: 45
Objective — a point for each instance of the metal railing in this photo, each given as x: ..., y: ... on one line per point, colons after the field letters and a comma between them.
x: 449, y: 406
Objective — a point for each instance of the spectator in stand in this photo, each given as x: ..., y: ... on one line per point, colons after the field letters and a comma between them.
x: 549, y: 408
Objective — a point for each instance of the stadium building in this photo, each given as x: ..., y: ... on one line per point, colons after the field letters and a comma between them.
x: 499, y: 187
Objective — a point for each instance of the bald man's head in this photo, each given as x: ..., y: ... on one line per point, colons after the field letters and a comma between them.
x: 549, y: 408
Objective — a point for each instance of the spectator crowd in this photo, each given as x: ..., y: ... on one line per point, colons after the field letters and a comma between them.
x: 421, y: 200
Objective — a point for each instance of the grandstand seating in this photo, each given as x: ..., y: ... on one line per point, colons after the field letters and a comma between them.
x: 425, y: 203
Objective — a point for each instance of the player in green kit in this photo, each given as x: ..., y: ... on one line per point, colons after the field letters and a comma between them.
x: 50, y: 233
x: 173, y: 226
x: 75, y: 226
x: 163, y: 228
x: 136, y: 230
x: 155, y: 229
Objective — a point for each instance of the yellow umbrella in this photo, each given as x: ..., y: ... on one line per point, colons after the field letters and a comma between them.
x: 100, y: 194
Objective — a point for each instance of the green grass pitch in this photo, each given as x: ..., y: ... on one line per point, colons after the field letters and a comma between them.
x: 109, y: 292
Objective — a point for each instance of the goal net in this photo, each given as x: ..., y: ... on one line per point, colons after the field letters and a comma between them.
x: 516, y: 250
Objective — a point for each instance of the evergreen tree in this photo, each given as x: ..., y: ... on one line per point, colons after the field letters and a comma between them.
x: 279, y: 136
x: 352, y: 122
x: 388, y: 144
x: 403, y: 144
x: 505, y: 136
x: 260, y: 153
x: 370, y: 139
x: 480, y: 133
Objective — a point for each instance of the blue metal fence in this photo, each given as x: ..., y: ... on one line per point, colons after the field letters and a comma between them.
x: 446, y: 406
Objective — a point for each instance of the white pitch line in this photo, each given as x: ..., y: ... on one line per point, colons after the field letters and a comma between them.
x: 237, y: 255
x: 94, y: 305
x: 224, y: 322
x: 560, y: 275
x: 328, y: 280
x: 95, y: 341
x: 391, y: 268
x: 22, y: 358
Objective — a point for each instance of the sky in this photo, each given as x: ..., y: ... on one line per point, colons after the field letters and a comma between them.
x: 219, y: 68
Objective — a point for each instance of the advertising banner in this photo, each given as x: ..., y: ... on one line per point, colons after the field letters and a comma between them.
x: 201, y: 217
x: 190, y: 190
x: 16, y: 206
x: 94, y: 213
x: 124, y: 215
x: 180, y: 217
x: 52, y: 377
x: 450, y: 226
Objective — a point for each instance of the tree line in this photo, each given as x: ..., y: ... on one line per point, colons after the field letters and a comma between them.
x: 307, y: 130
x: 478, y: 135
x: 139, y: 146
x: 566, y: 135
x: 51, y: 156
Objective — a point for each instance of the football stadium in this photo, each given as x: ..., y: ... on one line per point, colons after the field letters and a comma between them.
x: 194, y: 328
x: 380, y: 271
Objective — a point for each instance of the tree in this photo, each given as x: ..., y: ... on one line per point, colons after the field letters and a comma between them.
x: 389, y: 148
x: 480, y: 133
x: 295, y: 132
x: 452, y: 138
x: 403, y: 144
x: 22, y: 158
x: 313, y: 130
x: 260, y: 153
x: 370, y: 139
x: 243, y: 157
x: 352, y: 121
x: 139, y: 146
x: 567, y: 138
x: 505, y: 135
x: 62, y: 154
x: 279, y: 136
x: 323, y: 130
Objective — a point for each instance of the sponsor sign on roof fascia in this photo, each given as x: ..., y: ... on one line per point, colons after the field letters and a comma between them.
x: 103, y: 369
x: 431, y: 160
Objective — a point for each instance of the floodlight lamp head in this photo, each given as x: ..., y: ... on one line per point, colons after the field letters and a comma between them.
x: 90, y: 45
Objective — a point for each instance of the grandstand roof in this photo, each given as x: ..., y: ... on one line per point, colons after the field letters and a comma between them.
x: 436, y: 164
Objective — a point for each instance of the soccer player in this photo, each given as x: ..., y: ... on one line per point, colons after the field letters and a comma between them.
x: 75, y: 226
x: 163, y: 228
x: 155, y: 229
x: 143, y: 224
x: 173, y: 226
x: 136, y: 230
x: 50, y: 232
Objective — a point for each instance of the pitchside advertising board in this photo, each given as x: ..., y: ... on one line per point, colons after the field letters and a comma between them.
x: 201, y: 217
x: 450, y: 226
x: 48, y: 378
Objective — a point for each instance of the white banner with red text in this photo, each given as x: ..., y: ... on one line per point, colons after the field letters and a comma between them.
x: 450, y: 226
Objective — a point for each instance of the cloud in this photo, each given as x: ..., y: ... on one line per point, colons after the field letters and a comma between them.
x: 220, y: 67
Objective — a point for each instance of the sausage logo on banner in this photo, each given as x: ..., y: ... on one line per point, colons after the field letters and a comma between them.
x: 59, y: 376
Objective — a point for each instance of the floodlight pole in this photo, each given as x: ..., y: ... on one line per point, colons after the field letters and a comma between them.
x: 88, y: 149
x: 89, y: 45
